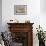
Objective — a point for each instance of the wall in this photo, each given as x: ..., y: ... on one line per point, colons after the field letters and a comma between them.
x: 43, y: 14
x: 0, y: 15
x: 43, y: 6
x: 33, y: 11
x: 34, y: 14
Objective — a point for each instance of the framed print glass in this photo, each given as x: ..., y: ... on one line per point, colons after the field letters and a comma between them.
x: 20, y: 9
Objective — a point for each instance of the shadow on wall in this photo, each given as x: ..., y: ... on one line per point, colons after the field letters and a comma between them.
x: 0, y: 15
x: 43, y: 6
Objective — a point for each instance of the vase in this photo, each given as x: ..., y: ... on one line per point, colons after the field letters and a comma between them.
x: 41, y: 43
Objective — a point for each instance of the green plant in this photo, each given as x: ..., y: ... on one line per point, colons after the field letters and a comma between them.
x: 40, y: 34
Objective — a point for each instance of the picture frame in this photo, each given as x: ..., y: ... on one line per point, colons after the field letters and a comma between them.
x: 20, y: 9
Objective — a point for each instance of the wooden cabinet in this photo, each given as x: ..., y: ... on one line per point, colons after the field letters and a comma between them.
x: 22, y: 33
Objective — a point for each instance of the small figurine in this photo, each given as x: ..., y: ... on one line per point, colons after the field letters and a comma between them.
x: 27, y: 21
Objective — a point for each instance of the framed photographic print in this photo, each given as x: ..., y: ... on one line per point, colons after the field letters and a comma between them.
x: 20, y: 9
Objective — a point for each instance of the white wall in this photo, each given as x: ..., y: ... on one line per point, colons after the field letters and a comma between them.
x: 34, y: 14
x: 43, y: 14
x: 0, y: 15
x: 43, y: 6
